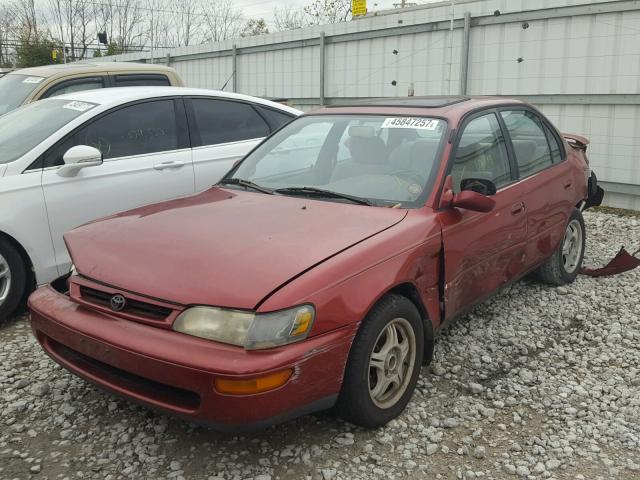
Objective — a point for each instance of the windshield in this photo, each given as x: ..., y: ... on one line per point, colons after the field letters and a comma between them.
x: 14, y: 90
x: 387, y: 160
x: 23, y: 129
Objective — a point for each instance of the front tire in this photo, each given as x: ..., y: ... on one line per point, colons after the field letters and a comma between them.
x: 564, y: 265
x: 13, y: 278
x: 384, y: 364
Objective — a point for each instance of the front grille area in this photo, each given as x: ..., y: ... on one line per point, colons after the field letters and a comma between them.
x: 179, y: 398
x: 132, y: 307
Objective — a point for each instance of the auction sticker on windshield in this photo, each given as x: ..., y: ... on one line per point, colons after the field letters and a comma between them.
x: 79, y: 106
x: 411, y: 122
x: 33, y: 80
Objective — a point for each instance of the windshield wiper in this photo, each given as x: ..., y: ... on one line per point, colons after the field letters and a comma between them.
x: 323, y: 193
x: 245, y: 183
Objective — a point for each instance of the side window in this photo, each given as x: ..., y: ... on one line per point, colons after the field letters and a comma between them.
x: 275, y: 118
x: 223, y: 121
x: 529, y: 141
x: 78, y: 85
x: 141, y: 81
x: 134, y: 130
x: 556, y: 150
x: 482, y: 153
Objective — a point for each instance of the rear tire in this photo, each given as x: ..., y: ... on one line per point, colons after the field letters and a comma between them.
x: 384, y: 364
x: 564, y: 265
x: 13, y: 279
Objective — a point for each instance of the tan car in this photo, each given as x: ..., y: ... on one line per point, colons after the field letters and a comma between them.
x: 30, y: 84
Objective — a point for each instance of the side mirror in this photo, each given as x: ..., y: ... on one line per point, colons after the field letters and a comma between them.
x: 79, y: 157
x: 478, y: 185
x: 474, y: 201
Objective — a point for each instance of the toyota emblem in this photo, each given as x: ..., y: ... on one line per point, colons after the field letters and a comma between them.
x: 117, y: 303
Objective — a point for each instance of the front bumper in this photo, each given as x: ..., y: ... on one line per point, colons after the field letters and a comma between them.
x: 175, y: 373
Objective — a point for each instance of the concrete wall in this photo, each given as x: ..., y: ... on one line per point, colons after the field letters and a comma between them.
x: 577, y: 60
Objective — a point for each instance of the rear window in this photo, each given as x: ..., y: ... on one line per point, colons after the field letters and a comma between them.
x: 146, y: 80
x: 275, y: 118
x: 224, y: 121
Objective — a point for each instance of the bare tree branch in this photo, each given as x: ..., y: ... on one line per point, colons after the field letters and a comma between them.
x: 222, y: 20
x: 288, y: 17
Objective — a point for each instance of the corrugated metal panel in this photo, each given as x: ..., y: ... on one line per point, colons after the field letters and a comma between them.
x: 569, y: 48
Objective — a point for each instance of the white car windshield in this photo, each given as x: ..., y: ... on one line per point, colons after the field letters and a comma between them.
x: 25, y: 128
x: 384, y: 160
x: 14, y: 89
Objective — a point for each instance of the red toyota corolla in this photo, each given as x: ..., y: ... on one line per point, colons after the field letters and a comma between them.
x: 318, y: 271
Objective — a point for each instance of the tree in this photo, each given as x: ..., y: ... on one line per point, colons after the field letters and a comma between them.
x: 123, y: 21
x: 221, y: 20
x: 188, y: 23
x: 158, y: 22
x: 321, y: 12
x: 7, y: 28
x: 74, y: 25
x: 114, y: 49
x: 27, y: 20
x: 288, y: 18
x: 36, y: 52
x: 255, y: 27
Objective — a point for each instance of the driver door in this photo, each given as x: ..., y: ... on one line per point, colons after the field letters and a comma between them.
x: 483, y: 251
x: 146, y: 160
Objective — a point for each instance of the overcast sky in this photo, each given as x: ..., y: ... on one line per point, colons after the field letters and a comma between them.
x: 264, y: 8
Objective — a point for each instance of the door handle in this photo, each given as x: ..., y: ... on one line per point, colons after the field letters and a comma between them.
x: 169, y: 165
x: 517, y: 208
x: 568, y: 184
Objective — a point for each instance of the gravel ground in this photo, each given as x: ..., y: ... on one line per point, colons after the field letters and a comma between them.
x: 539, y: 382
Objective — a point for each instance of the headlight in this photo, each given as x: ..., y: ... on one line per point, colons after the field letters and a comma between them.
x: 247, y: 329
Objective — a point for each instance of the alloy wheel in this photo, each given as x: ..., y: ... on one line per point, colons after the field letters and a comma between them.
x: 391, y: 363
x: 5, y: 279
x: 572, y: 246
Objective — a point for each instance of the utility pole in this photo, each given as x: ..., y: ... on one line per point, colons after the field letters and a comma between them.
x: 152, y: 29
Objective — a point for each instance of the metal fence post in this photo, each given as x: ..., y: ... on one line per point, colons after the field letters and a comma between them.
x: 234, y: 62
x: 464, y: 61
x: 322, y: 67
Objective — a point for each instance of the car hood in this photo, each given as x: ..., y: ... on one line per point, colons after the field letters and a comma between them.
x: 223, y: 247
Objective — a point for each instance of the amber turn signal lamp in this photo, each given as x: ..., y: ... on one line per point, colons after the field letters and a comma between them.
x: 254, y: 385
x: 302, y: 323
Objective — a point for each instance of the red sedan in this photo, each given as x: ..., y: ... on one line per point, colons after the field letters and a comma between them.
x: 319, y: 270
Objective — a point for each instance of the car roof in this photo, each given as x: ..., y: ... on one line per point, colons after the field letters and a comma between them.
x: 73, y: 68
x: 436, y: 106
x: 117, y: 96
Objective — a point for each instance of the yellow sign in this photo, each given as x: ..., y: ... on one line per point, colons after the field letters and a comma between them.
x: 54, y: 54
x: 358, y: 7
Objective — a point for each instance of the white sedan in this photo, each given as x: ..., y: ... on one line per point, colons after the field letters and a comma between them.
x: 70, y: 159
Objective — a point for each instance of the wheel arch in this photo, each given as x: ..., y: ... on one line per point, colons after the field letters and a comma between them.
x: 31, y: 276
x: 409, y: 291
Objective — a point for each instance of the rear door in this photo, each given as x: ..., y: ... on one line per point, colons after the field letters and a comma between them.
x: 546, y: 177
x: 222, y: 131
x: 146, y: 160
x: 483, y: 251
